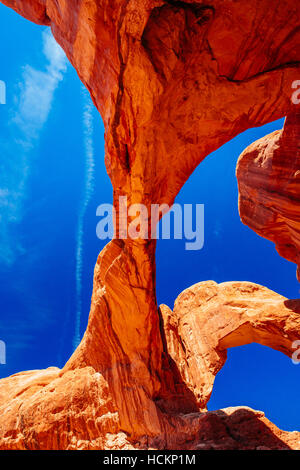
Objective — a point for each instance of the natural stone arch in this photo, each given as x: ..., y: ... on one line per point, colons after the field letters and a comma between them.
x: 208, y: 318
x: 158, y: 129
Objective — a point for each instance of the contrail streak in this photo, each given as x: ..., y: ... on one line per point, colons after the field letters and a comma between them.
x: 88, y: 129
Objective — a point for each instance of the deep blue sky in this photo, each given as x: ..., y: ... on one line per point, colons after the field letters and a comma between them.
x: 52, y: 178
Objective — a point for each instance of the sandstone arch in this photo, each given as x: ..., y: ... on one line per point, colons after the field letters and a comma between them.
x: 169, y: 93
x: 208, y: 318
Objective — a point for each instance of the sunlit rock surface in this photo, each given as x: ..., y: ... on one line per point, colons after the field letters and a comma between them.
x: 208, y: 318
x: 75, y: 409
x: 173, y: 81
x: 268, y: 174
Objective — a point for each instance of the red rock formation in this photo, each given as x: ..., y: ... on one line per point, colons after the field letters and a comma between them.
x: 74, y: 409
x: 209, y: 318
x: 173, y: 81
x: 268, y: 174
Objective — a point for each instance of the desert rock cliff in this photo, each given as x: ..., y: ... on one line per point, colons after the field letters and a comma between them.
x: 173, y: 81
x: 268, y: 174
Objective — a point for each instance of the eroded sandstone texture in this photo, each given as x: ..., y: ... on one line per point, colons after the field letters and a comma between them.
x: 268, y: 173
x: 173, y: 81
x: 74, y: 409
x: 209, y: 318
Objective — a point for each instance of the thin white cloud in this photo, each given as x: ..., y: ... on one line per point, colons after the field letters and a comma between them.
x: 37, y: 89
x: 88, y: 129
x: 31, y: 108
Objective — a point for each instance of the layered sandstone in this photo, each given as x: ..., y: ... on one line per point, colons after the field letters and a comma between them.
x: 75, y: 409
x: 173, y: 81
x: 268, y: 175
x: 208, y: 318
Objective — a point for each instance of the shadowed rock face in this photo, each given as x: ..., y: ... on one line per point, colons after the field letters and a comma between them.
x: 268, y: 174
x: 172, y: 81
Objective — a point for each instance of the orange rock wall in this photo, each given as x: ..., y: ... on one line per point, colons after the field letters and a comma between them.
x: 268, y: 174
x: 173, y: 81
